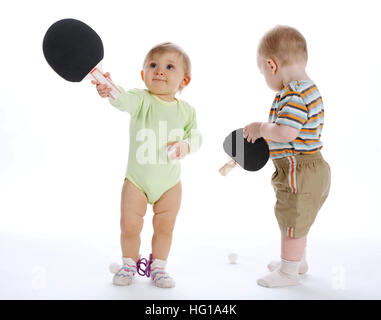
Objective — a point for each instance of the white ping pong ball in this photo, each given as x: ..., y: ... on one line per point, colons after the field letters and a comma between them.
x: 114, y: 267
x: 233, y: 258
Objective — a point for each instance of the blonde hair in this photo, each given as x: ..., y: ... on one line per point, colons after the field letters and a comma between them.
x: 170, y: 47
x: 285, y: 43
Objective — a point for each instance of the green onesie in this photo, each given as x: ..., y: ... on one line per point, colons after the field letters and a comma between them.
x: 154, y: 123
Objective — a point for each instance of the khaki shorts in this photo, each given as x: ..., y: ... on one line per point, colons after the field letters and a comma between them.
x: 301, y: 185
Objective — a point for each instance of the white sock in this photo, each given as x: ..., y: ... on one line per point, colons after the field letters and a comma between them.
x: 126, y: 273
x: 286, y: 275
x: 303, y: 268
x: 158, y: 275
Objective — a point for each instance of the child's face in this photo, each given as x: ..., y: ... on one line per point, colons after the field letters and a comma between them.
x: 164, y: 74
x: 270, y: 70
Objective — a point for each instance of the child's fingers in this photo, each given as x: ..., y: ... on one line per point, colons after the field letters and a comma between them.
x: 244, y: 132
x: 107, y: 75
x: 174, y: 151
x: 172, y: 146
x: 173, y: 156
x: 103, y: 89
x: 181, y: 155
x: 105, y: 94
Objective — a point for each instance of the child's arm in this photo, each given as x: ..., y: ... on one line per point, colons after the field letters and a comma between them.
x: 192, y: 135
x: 192, y: 139
x: 278, y: 132
x: 290, y: 119
x: 271, y: 131
x: 129, y: 101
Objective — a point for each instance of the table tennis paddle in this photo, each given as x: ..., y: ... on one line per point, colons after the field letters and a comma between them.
x: 249, y: 156
x: 75, y: 52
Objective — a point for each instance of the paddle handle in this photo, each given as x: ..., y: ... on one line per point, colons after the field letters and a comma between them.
x: 97, y: 74
x: 227, y: 167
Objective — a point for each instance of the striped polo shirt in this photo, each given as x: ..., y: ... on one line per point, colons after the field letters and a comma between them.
x: 298, y: 105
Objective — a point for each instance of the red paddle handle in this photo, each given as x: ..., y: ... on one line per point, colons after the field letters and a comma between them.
x: 97, y: 74
x: 227, y: 167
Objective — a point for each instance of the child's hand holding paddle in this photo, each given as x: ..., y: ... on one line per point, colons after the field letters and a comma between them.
x: 103, y: 89
x: 252, y: 131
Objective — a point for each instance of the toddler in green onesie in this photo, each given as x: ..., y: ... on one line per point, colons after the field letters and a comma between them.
x: 163, y: 130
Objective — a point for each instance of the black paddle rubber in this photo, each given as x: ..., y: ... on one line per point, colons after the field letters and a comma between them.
x: 72, y: 49
x: 250, y: 156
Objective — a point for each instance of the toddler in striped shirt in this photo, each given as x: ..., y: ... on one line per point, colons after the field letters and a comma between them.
x: 301, y: 180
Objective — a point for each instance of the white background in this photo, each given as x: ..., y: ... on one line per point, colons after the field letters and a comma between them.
x: 63, y: 151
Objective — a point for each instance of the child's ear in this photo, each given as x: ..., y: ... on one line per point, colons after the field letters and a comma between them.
x: 186, y: 81
x: 271, y: 63
x: 142, y: 74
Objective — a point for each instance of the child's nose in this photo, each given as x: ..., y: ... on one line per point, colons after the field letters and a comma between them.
x: 159, y: 72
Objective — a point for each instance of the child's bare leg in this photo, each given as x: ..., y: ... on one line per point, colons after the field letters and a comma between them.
x: 292, y: 248
x: 133, y: 209
x: 165, y: 213
x: 285, y: 252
